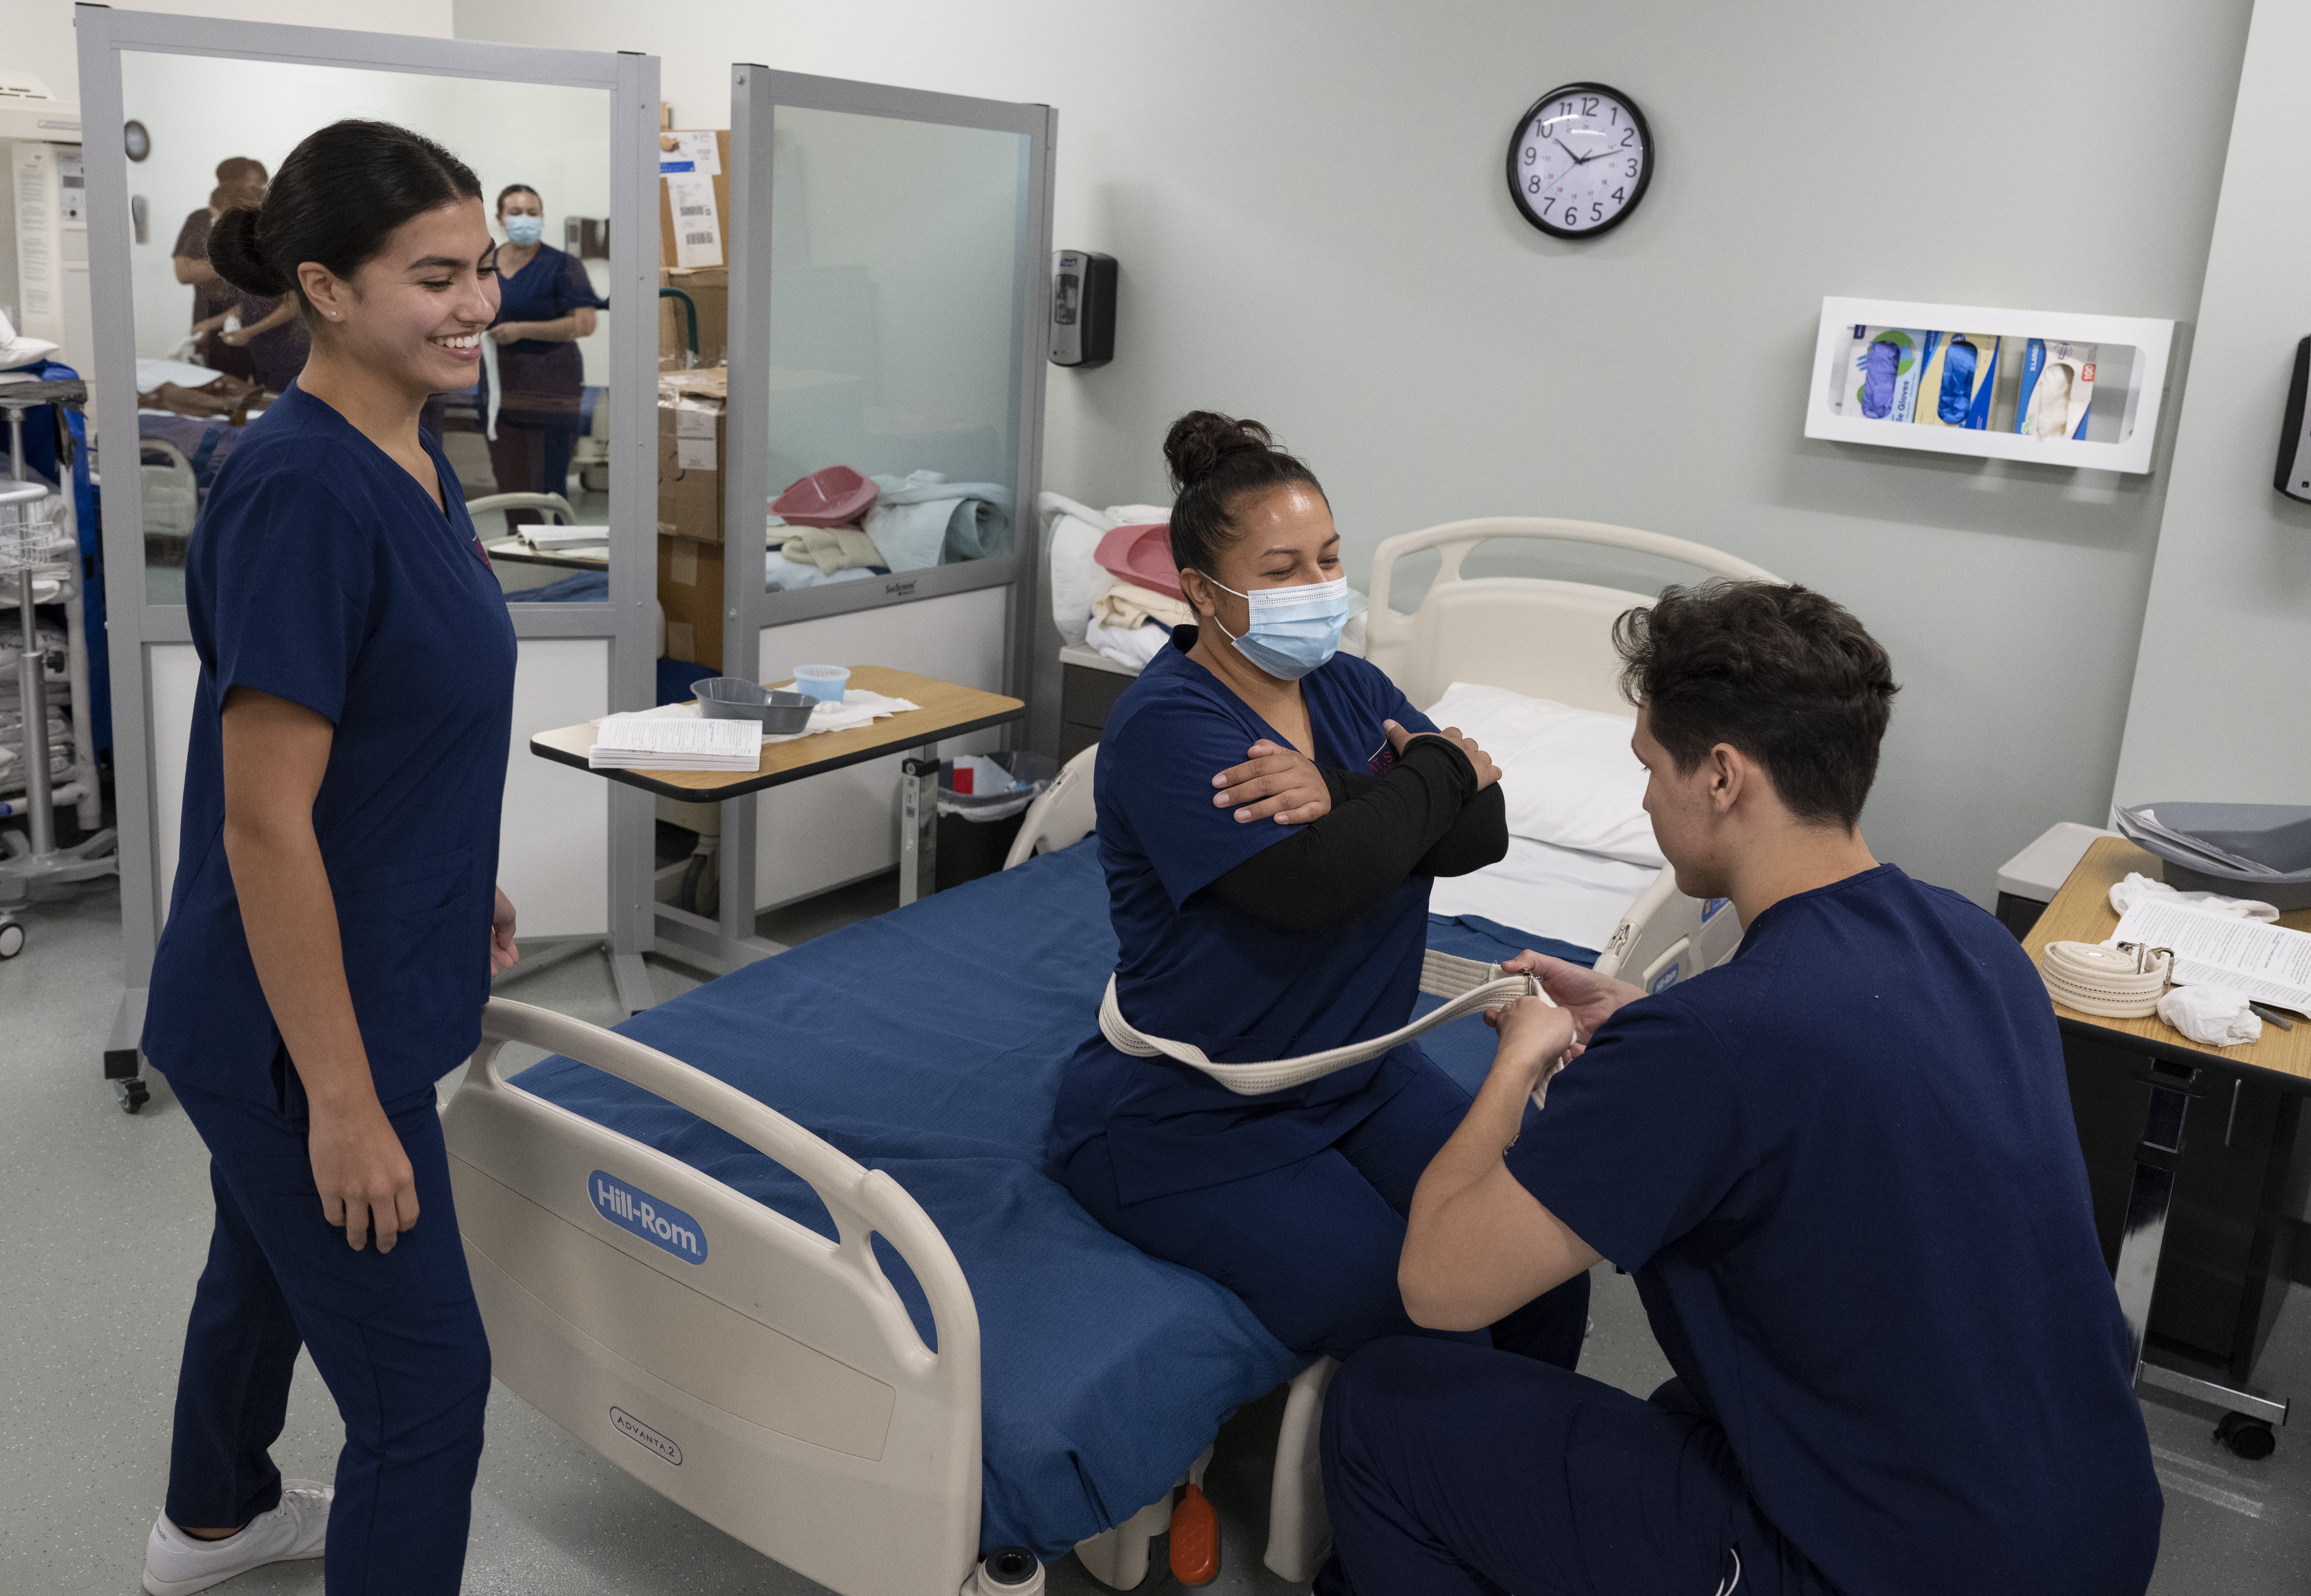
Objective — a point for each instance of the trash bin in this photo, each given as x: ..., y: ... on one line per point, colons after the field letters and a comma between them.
x: 984, y: 798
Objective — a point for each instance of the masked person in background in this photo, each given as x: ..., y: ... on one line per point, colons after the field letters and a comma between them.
x: 549, y: 304
x: 1271, y: 815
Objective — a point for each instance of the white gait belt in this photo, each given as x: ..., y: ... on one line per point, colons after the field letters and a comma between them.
x: 2118, y: 983
x: 1465, y: 985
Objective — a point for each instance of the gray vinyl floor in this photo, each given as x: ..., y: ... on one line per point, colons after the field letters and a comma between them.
x: 106, y: 1218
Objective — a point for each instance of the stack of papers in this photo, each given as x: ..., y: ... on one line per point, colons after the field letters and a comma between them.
x: 859, y: 708
x: 664, y: 742
x: 2270, y: 964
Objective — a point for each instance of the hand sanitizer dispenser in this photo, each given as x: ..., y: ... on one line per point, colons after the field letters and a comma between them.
x: 2293, y: 477
x: 1083, y: 308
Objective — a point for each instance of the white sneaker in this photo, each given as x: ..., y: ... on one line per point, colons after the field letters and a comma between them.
x: 176, y: 1564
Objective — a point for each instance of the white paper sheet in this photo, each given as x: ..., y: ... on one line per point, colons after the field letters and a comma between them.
x: 697, y: 225
x: 2268, y: 964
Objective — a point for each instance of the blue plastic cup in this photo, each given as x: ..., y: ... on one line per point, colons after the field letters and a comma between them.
x: 822, y: 681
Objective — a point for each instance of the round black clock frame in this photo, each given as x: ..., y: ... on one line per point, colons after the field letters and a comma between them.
x: 1644, y: 177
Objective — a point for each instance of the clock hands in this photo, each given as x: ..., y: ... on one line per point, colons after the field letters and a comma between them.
x: 1581, y: 160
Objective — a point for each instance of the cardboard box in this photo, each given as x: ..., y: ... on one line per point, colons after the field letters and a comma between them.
x: 694, y: 197
x: 690, y: 594
x: 708, y: 288
x: 691, y: 449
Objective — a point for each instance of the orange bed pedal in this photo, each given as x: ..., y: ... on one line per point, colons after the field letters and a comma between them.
x: 1194, y: 1539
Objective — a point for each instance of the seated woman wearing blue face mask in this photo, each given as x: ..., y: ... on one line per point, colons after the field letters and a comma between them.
x: 1270, y: 816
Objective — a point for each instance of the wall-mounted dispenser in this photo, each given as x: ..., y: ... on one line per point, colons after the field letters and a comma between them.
x: 1083, y: 308
x: 2293, y: 477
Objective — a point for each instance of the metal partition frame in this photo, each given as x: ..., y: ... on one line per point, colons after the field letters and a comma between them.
x: 756, y: 90
x: 628, y: 621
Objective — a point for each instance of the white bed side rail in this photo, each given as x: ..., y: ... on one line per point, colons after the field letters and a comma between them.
x: 554, y: 503
x: 760, y: 1375
x: 1665, y: 937
x: 1062, y: 815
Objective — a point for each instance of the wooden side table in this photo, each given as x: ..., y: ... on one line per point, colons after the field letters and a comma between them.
x: 2179, y: 1072
x: 945, y: 711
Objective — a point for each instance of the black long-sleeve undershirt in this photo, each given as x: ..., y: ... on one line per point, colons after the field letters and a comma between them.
x: 1425, y: 817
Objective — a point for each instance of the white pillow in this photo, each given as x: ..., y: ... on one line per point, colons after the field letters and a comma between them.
x: 1567, y: 774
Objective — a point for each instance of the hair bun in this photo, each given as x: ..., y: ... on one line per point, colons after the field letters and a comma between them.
x: 1201, y: 438
x: 233, y: 251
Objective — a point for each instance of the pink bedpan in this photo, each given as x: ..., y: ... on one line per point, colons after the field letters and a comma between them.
x: 833, y: 496
x: 1141, y: 556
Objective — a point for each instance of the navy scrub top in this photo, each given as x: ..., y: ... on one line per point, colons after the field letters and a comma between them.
x: 1842, y: 1170
x: 1196, y: 969
x: 323, y: 573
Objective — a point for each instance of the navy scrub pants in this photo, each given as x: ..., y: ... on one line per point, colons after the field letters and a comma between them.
x: 395, y: 1336
x: 1312, y: 1248
x: 1453, y: 1470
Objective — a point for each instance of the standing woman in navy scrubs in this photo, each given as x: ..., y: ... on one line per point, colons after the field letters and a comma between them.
x: 335, y: 915
x: 548, y: 305
x: 1271, y: 815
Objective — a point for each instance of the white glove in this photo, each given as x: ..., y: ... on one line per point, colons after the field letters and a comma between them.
x: 2213, y: 1016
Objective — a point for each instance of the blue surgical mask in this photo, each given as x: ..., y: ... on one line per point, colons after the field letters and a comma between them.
x: 524, y: 231
x: 1293, y: 630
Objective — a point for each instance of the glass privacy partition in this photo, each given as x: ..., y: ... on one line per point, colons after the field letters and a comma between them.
x: 579, y: 128
x: 887, y: 291
x: 210, y: 358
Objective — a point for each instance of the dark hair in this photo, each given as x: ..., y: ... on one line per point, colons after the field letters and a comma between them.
x: 233, y: 168
x: 1784, y: 675
x: 514, y: 188
x: 1215, y: 459
x: 340, y: 195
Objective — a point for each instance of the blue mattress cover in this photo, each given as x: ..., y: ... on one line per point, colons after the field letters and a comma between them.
x: 1103, y: 1371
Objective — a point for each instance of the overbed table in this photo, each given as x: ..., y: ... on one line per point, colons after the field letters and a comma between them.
x: 2179, y: 1072
x: 947, y: 711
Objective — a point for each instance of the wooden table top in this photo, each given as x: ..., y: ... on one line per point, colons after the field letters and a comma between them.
x: 2081, y: 912
x: 947, y: 711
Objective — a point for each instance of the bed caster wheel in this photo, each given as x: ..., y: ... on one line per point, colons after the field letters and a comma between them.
x: 2249, y: 1438
x: 134, y: 1094
x: 12, y: 936
x: 1006, y: 1570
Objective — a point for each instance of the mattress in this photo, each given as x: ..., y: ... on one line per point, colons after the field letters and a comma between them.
x: 928, y: 1042
x: 1549, y: 890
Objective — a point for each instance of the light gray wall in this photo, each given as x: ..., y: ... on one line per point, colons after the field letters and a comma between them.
x: 1308, y: 206
x: 2217, y: 711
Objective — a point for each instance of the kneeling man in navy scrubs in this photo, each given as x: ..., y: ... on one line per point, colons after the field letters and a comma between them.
x: 1840, y: 1167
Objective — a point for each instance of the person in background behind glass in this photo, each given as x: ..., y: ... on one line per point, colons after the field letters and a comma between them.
x: 548, y: 305
x: 241, y: 185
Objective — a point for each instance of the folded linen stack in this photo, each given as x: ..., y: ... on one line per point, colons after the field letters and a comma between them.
x: 1130, y: 624
x: 922, y: 520
x: 57, y: 689
x: 833, y: 549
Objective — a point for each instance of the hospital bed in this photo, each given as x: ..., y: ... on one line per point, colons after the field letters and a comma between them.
x: 783, y: 1248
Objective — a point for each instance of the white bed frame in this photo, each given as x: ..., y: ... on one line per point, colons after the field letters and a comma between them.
x: 770, y: 1380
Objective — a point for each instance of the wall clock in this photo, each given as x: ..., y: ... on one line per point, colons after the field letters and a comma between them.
x: 1580, y: 160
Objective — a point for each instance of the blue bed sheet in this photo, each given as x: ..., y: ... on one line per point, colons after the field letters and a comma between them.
x: 928, y: 1042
